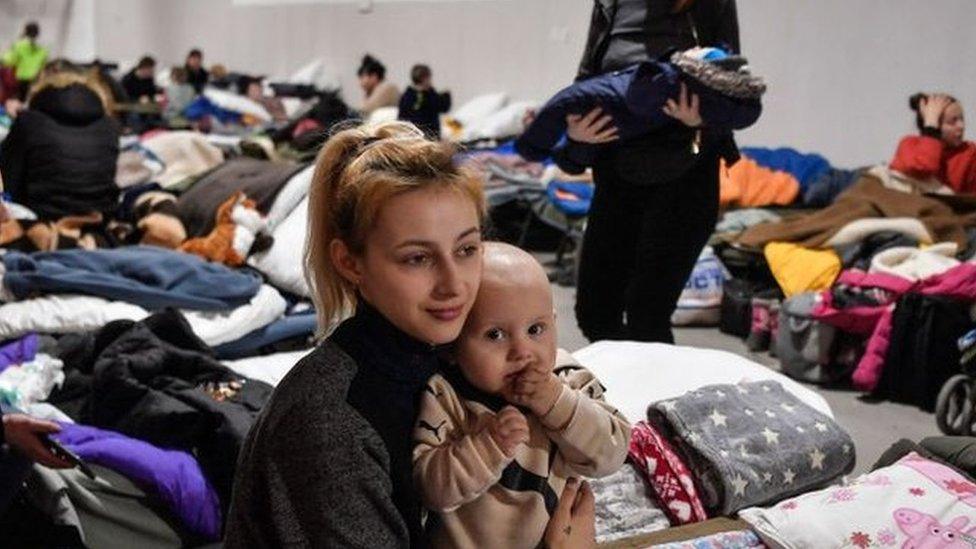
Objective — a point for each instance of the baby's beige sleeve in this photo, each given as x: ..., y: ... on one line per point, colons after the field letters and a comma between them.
x: 451, y: 467
x: 593, y: 436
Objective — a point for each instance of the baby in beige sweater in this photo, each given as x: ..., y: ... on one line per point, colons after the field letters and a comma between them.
x: 499, y: 435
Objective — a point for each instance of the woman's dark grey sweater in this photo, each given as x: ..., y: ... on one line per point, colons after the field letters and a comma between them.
x: 313, y: 472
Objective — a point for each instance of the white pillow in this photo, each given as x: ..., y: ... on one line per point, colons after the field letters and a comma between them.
x: 913, y: 503
x: 69, y: 314
x: 283, y: 263
x: 503, y: 123
x: 218, y: 327
x: 637, y: 374
x: 292, y: 106
x: 163, y: 78
x: 383, y: 115
x: 290, y: 196
x: 63, y: 314
x: 315, y: 74
x: 237, y: 103
x: 480, y: 108
x: 270, y: 369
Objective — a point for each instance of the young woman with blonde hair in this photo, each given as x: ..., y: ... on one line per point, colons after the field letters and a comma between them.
x: 394, y: 259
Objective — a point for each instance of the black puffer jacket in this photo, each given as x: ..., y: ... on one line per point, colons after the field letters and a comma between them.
x: 156, y: 381
x: 60, y: 156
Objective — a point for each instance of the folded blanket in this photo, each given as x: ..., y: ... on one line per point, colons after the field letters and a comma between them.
x: 624, y: 507
x: 752, y: 443
x: 666, y: 473
x: 739, y: 539
x: 913, y: 503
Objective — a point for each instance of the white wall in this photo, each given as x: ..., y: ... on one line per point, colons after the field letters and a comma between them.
x: 67, y: 26
x: 839, y: 71
x: 528, y: 48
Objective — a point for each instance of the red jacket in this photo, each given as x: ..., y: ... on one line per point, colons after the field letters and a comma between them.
x: 921, y: 156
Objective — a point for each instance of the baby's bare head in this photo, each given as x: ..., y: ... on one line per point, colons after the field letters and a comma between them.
x: 512, y: 324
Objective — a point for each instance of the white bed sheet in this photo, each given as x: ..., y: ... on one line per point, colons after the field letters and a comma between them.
x: 637, y: 374
x: 270, y: 369
x: 66, y: 314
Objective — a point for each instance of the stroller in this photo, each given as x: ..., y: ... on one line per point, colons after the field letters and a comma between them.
x: 955, y: 407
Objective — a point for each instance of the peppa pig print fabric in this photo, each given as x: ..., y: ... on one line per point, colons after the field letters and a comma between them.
x: 915, y: 503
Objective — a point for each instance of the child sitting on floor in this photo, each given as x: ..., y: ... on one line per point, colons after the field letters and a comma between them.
x: 498, y: 436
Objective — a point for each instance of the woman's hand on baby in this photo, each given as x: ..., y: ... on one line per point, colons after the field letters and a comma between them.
x: 573, y: 524
x: 685, y: 108
x: 509, y: 428
x: 932, y: 108
x: 592, y: 128
x: 537, y: 389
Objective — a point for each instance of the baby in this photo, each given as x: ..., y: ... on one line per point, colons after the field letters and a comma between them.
x: 498, y: 436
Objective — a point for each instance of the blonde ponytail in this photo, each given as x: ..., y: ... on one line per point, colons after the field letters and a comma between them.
x: 356, y: 172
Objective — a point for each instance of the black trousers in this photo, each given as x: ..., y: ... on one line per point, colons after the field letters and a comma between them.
x: 640, y: 246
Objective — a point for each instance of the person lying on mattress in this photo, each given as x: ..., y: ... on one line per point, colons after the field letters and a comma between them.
x: 939, y: 151
x: 500, y: 432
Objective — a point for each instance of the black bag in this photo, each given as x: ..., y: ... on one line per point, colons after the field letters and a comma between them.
x: 923, y: 353
x: 735, y: 317
x: 745, y: 264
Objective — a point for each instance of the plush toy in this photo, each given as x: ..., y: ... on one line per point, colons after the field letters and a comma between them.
x: 31, y: 235
x: 158, y: 221
x: 240, y: 229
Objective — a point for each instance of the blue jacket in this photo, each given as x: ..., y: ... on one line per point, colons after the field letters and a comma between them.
x: 153, y: 278
x: 634, y: 97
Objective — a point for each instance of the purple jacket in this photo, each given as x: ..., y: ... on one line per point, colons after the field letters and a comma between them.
x: 19, y: 351
x: 173, y: 476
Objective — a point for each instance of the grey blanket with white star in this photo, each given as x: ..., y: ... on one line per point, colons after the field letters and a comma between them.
x: 752, y: 443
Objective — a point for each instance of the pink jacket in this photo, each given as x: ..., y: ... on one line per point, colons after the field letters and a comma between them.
x: 957, y: 283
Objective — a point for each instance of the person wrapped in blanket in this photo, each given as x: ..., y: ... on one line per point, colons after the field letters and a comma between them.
x: 637, y: 100
x: 498, y: 436
x: 939, y: 150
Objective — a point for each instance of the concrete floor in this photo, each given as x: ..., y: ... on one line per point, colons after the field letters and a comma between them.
x: 873, y: 426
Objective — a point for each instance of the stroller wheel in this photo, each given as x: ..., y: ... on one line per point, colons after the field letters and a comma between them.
x: 954, y: 406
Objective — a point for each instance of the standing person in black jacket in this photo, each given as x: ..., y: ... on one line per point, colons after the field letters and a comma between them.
x: 196, y: 75
x: 656, y: 199
x: 421, y: 104
x: 60, y: 156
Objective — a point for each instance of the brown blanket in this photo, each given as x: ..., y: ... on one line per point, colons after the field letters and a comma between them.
x: 946, y: 217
